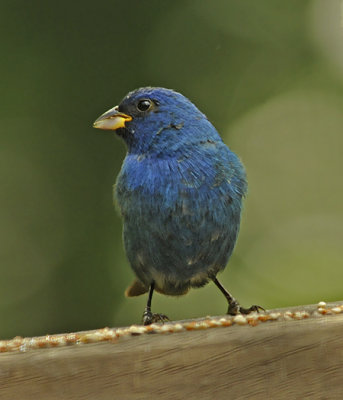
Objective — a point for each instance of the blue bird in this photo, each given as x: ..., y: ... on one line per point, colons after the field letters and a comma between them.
x: 179, y: 191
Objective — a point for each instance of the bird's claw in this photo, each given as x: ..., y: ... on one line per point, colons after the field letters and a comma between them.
x: 151, y: 318
x: 235, y: 308
x: 253, y: 308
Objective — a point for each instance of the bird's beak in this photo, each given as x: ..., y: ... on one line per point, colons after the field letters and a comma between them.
x: 112, y: 120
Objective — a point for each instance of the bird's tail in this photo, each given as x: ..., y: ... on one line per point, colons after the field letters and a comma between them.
x: 136, y: 289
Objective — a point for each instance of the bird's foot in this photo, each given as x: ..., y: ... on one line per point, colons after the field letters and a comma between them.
x: 253, y: 308
x: 235, y: 308
x: 151, y: 318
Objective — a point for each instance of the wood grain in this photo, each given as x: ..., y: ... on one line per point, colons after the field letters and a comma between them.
x: 273, y: 360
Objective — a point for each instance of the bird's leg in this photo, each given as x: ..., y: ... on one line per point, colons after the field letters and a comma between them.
x: 234, y: 307
x: 148, y: 316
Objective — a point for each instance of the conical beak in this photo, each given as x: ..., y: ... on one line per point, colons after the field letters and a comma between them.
x: 112, y: 120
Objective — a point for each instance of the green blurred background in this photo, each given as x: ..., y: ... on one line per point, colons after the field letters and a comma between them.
x: 269, y: 75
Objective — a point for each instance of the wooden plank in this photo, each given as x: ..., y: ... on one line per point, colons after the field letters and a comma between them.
x: 283, y: 359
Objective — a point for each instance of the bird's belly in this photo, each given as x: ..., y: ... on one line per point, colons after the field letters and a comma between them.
x: 180, y: 248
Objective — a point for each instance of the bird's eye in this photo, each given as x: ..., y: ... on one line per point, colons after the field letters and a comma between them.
x: 144, y: 105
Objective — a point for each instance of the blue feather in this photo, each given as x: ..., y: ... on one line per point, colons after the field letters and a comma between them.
x: 180, y: 193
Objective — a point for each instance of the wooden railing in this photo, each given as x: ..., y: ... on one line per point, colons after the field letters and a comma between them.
x: 294, y: 353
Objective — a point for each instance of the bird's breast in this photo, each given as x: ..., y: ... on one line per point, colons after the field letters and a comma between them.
x: 183, y: 184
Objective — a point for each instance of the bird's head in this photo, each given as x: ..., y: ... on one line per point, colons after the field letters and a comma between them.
x: 157, y: 121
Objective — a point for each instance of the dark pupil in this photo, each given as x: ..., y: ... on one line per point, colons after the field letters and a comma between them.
x: 144, y: 105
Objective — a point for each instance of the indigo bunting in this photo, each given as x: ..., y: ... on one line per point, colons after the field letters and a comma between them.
x: 179, y: 191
